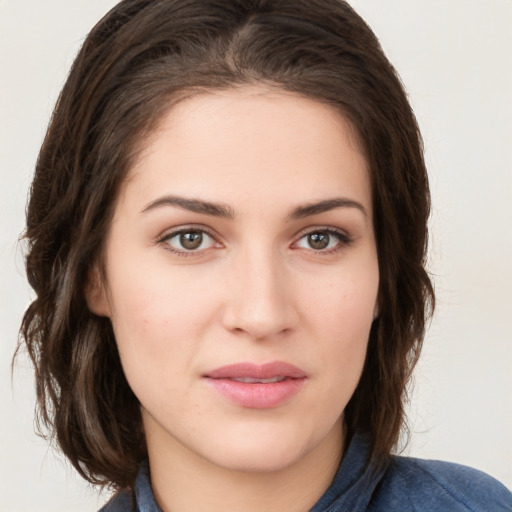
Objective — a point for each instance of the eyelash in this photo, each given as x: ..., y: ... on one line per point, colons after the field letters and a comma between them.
x: 189, y: 229
x: 343, y: 240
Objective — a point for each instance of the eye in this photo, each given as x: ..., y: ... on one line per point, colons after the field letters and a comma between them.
x: 188, y: 240
x: 324, y: 240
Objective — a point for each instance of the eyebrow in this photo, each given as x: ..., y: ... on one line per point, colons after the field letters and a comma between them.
x: 225, y: 211
x: 193, y: 205
x: 324, y: 206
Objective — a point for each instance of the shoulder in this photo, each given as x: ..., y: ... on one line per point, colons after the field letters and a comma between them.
x: 122, y: 501
x: 420, y: 485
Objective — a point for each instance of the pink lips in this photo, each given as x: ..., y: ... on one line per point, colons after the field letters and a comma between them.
x: 257, y: 386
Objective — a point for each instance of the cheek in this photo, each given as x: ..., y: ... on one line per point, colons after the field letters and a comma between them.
x: 344, y: 302
x: 157, y: 319
x: 151, y: 297
x: 341, y: 312
x: 161, y: 316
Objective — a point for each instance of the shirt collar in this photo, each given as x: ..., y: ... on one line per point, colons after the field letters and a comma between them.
x: 355, y: 481
x: 351, y: 489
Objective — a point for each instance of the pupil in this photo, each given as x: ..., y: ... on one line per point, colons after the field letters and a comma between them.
x: 191, y: 240
x: 318, y: 240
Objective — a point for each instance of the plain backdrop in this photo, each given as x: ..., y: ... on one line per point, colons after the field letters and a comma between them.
x: 454, y: 58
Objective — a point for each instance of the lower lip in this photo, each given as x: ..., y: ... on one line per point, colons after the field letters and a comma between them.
x: 257, y: 395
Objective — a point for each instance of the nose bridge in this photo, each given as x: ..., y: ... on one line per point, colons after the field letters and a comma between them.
x: 259, y: 303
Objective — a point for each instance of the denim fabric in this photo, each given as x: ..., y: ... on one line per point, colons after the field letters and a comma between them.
x: 400, y: 485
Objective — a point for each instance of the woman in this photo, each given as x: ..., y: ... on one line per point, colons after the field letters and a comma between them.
x: 227, y: 232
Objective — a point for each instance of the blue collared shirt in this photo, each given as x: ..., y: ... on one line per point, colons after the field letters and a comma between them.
x: 403, y: 484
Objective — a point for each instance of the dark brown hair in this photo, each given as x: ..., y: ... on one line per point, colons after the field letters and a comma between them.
x: 139, y: 58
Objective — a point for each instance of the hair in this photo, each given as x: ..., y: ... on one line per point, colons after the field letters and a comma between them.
x: 139, y: 59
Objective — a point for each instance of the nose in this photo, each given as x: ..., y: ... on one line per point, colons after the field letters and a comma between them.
x: 260, y: 300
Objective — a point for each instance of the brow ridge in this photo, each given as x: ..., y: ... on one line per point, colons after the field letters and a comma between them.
x: 193, y: 205
x: 326, y: 205
x: 225, y: 211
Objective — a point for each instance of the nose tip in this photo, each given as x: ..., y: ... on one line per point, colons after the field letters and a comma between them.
x: 259, y: 304
x: 255, y: 322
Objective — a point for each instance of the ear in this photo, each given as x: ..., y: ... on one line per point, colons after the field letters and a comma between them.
x: 376, y: 311
x: 95, y: 293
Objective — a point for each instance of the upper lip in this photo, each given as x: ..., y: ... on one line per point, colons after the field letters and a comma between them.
x: 257, y: 371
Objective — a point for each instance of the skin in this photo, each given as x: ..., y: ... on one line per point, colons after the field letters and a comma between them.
x: 254, y: 290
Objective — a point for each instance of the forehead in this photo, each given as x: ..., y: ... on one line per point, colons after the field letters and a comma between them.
x: 253, y: 140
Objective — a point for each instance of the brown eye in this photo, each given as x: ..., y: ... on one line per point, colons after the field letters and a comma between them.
x: 191, y: 240
x: 188, y: 240
x: 323, y: 240
x: 319, y: 241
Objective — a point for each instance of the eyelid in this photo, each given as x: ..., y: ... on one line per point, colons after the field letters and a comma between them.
x: 172, y: 232
x: 344, y: 238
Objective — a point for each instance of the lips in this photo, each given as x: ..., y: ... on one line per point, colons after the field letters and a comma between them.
x: 257, y: 371
x: 257, y: 386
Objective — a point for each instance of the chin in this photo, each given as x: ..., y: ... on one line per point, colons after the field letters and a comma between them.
x: 266, y: 449
x: 259, y: 457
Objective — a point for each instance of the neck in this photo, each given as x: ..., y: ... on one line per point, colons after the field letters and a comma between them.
x: 184, y: 481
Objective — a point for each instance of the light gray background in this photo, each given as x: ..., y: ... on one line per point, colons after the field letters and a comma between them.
x: 455, y: 59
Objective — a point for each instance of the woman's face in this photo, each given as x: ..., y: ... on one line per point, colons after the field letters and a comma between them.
x: 242, y: 278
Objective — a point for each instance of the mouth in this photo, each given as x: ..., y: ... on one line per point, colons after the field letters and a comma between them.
x: 250, y: 380
x: 257, y: 386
